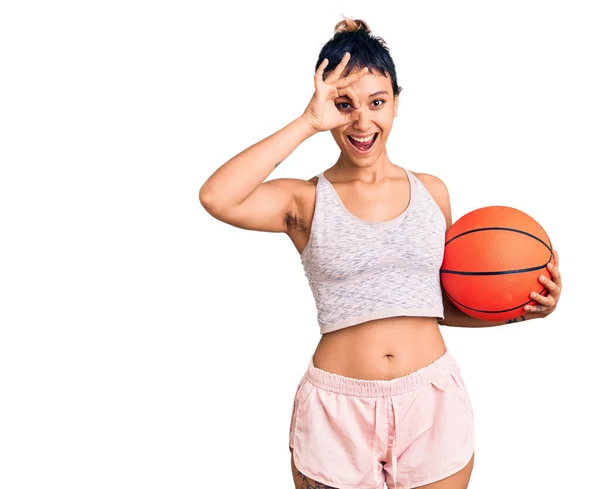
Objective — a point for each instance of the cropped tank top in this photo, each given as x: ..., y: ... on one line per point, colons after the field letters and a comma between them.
x: 361, y: 270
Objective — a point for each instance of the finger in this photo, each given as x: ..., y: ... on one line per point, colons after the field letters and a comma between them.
x: 555, y: 274
x: 351, y: 94
x: 539, y: 309
x: 350, y: 79
x: 335, y: 74
x: 542, y: 300
x: 321, y: 70
x: 549, y: 284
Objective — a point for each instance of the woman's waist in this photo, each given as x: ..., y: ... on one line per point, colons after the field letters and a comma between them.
x: 381, y: 349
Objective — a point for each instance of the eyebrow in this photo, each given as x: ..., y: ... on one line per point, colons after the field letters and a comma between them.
x: 372, y: 95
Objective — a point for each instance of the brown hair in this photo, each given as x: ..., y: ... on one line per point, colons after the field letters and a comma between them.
x: 351, y: 25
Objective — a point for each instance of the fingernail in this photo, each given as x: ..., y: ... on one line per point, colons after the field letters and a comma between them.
x: 533, y: 294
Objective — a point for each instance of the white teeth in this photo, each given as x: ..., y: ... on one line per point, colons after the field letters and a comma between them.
x: 362, y: 140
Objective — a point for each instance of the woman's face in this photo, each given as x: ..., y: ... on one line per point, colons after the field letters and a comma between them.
x: 376, y: 116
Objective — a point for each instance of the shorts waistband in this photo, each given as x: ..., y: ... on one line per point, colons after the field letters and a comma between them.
x: 375, y: 388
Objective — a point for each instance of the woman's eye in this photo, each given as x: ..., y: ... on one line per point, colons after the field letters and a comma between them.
x: 348, y: 104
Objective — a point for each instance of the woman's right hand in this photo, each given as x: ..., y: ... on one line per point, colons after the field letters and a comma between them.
x: 321, y: 111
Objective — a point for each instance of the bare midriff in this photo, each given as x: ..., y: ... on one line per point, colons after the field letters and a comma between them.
x: 382, y: 349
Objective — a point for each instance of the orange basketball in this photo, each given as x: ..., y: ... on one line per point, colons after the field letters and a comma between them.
x: 492, y: 260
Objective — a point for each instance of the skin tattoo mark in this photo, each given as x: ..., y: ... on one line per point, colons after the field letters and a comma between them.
x: 516, y: 320
x: 306, y: 484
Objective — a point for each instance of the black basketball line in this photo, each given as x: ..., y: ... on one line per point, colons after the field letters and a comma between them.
x: 502, y: 272
x: 499, y: 229
x: 493, y: 311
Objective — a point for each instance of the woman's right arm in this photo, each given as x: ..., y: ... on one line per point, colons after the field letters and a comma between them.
x: 237, y: 193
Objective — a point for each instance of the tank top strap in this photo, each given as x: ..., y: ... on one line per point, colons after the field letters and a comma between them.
x: 324, y: 203
x: 418, y: 191
x: 413, y: 179
x: 424, y: 202
x: 327, y: 202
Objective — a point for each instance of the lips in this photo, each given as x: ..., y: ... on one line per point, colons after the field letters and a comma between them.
x: 361, y: 147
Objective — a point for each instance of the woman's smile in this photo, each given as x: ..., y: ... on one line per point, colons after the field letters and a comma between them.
x: 360, y: 146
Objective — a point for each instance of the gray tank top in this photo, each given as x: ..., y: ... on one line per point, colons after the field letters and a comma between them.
x: 361, y: 270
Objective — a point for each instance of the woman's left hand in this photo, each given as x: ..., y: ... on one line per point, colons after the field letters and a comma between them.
x: 546, y: 305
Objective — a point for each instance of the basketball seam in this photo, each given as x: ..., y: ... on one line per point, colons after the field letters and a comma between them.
x: 493, y: 311
x: 503, y: 272
x: 499, y: 229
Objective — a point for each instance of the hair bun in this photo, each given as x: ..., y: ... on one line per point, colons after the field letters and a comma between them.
x: 351, y: 25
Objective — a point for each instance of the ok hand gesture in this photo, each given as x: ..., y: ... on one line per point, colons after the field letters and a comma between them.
x: 321, y: 111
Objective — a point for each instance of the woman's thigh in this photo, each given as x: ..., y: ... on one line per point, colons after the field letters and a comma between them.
x: 459, y: 480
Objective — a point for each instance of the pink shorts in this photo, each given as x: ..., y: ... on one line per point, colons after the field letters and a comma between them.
x: 357, y: 434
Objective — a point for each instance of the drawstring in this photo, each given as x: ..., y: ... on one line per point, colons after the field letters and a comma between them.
x: 394, y: 461
x: 376, y: 466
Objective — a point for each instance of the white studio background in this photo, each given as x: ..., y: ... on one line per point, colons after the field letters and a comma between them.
x: 144, y: 344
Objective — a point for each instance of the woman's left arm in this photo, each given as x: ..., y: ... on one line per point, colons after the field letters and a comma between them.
x: 454, y: 316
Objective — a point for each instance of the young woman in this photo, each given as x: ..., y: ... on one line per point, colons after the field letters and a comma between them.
x: 382, y: 400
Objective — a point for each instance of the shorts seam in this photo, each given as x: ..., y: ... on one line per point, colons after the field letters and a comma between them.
x: 296, y: 408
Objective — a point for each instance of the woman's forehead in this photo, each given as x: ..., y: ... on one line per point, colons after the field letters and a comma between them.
x: 370, y: 84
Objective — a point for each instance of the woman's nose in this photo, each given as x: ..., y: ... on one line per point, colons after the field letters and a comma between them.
x: 363, y: 117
